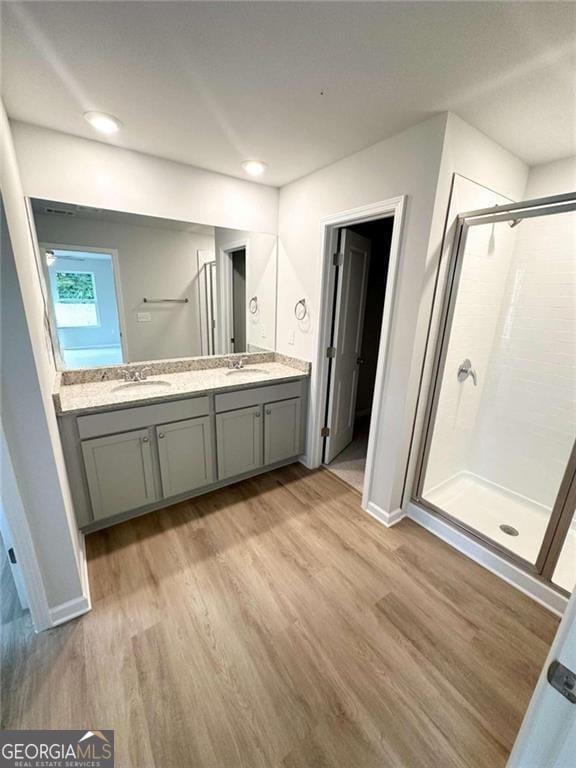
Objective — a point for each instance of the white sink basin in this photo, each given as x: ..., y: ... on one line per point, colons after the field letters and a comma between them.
x: 245, y: 371
x: 147, y: 384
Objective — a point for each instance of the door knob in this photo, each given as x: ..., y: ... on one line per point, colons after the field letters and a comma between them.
x: 465, y: 369
x: 161, y: 435
x: 359, y: 361
x: 145, y: 439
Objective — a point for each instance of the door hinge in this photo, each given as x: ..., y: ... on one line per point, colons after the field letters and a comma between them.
x: 12, y: 555
x: 331, y: 352
x: 563, y: 679
x: 325, y: 432
x: 337, y: 259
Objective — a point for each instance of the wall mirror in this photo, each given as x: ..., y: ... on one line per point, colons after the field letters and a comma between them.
x: 124, y: 288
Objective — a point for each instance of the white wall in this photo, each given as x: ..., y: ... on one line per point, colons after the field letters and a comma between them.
x: 488, y: 174
x: 552, y: 178
x: 28, y: 415
x: 154, y: 262
x: 406, y: 164
x: 56, y: 166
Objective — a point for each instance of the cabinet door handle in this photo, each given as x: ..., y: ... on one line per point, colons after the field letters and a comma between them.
x: 161, y: 435
x: 268, y: 411
x: 145, y: 439
x: 257, y: 414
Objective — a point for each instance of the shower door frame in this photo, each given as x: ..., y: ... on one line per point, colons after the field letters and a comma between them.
x: 563, y: 509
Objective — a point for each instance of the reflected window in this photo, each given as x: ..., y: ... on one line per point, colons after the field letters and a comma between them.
x: 75, y: 304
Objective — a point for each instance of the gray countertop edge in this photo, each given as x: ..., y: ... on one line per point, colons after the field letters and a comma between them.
x: 181, y: 395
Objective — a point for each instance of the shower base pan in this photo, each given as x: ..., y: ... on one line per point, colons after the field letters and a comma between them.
x: 488, y: 508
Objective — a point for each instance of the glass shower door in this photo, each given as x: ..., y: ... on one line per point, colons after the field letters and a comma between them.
x: 502, y: 415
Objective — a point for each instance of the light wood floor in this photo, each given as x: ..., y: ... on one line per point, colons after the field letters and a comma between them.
x: 275, y: 624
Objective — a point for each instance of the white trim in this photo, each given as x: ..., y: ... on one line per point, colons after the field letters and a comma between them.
x: 205, y: 257
x: 113, y: 252
x: 224, y: 322
x: 524, y: 582
x: 69, y: 610
x: 386, y: 518
x: 23, y: 542
x: 394, y: 207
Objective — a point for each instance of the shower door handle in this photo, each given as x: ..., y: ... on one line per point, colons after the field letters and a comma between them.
x: 465, y: 369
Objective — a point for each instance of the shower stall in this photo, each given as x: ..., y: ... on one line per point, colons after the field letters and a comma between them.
x: 498, y: 454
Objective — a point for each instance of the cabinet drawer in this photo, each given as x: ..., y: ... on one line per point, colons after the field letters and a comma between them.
x: 120, y: 474
x: 122, y: 420
x: 185, y: 452
x: 244, y: 398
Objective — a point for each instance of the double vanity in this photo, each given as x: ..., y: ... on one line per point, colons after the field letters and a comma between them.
x: 139, y: 437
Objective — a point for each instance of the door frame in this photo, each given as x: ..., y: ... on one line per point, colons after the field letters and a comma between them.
x: 558, y: 522
x: 384, y: 209
x: 224, y: 316
x: 42, y: 247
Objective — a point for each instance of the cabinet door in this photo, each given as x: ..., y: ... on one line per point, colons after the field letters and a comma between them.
x: 120, y: 472
x: 185, y: 450
x: 282, y: 430
x: 239, y: 441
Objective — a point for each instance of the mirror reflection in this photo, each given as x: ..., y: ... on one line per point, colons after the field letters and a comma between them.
x: 123, y: 288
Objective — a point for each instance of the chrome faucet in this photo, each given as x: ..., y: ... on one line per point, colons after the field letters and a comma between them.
x: 138, y: 374
x: 236, y: 364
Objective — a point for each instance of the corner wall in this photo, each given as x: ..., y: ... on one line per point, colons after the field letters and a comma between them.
x: 406, y: 164
x: 29, y: 421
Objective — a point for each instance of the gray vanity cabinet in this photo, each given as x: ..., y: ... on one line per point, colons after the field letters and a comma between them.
x: 239, y: 440
x: 120, y: 472
x: 186, y: 455
x: 123, y: 462
x: 282, y: 430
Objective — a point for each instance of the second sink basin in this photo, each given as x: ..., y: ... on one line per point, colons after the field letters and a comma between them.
x: 247, y: 371
x: 145, y: 383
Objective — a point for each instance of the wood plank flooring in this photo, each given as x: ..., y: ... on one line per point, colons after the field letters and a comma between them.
x: 274, y: 624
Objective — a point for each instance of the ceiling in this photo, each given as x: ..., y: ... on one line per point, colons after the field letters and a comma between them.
x: 298, y: 85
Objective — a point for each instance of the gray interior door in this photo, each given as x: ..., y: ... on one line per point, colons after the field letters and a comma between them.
x: 348, y: 325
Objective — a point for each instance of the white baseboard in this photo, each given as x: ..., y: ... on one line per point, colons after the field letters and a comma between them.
x: 386, y: 518
x: 534, y: 588
x: 69, y: 610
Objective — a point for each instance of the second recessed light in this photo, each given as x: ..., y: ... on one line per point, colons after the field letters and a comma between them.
x: 254, y: 167
x: 102, y: 122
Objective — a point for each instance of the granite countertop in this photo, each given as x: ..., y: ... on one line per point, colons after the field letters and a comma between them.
x: 112, y: 394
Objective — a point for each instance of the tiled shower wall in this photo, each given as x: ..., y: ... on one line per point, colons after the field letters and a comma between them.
x: 515, y: 320
x: 474, y: 326
x: 527, y: 418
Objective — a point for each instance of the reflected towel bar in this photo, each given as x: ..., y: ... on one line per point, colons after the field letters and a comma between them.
x: 165, y: 301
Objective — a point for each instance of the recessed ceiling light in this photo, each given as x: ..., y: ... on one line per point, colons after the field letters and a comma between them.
x: 254, y: 167
x: 103, y: 122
